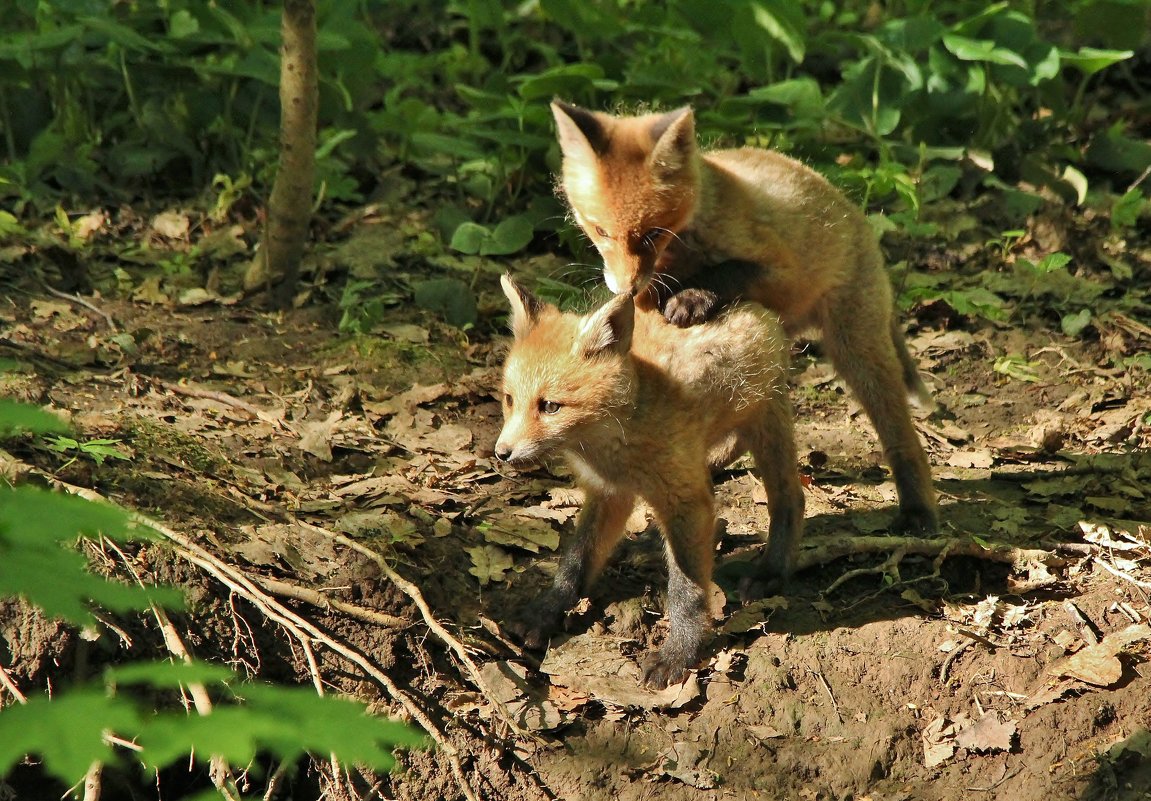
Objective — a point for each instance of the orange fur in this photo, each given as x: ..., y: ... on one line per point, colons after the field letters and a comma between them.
x: 643, y: 409
x: 689, y: 231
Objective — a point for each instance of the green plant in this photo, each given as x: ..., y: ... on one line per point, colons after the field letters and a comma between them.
x: 139, y: 702
x: 95, y: 449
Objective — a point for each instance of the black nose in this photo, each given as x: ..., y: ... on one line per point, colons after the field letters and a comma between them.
x: 503, y: 452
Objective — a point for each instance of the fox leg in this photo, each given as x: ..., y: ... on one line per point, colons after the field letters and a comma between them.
x: 598, y: 530
x: 858, y: 339
x: 689, y: 526
x: 772, y: 444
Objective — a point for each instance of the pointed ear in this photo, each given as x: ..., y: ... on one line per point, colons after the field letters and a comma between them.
x: 526, y: 307
x: 581, y: 133
x: 674, y: 136
x: 609, y: 328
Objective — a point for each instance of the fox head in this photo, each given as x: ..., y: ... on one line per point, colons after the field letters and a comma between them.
x: 632, y: 184
x: 566, y: 377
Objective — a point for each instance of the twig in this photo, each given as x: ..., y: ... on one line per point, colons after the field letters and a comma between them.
x: 220, y: 397
x: 308, y: 595
x: 87, y: 304
x: 945, y: 668
x: 92, y: 784
x: 827, y: 687
x: 1122, y: 574
x: 820, y: 551
x: 218, y: 768
x: 11, y: 687
x: 413, y: 592
x: 238, y: 582
x: 891, y: 562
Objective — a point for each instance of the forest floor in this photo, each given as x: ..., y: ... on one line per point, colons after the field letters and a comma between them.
x: 1007, y: 658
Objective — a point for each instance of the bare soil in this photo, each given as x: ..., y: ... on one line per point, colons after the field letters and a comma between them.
x: 882, y: 674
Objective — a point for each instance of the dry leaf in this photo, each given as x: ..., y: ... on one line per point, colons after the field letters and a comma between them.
x: 1099, y: 664
x: 593, y: 665
x: 987, y: 734
x: 489, y: 563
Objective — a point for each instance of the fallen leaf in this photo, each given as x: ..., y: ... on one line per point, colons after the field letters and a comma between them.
x: 988, y: 733
x: 489, y: 563
x: 171, y: 224
x: 594, y: 665
x: 527, y: 533
x: 981, y: 458
x: 1099, y: 664
x: 685, y: 762
x: 752, y: 615
x: 765, y: 732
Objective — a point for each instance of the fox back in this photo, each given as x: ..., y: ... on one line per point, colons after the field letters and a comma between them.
x: 625, y: 388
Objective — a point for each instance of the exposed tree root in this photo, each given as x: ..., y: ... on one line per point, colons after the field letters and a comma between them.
x: 821, y: 550
x: 302, y: 630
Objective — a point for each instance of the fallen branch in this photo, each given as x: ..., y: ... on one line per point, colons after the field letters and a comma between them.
x: 822, y: 550
x: 306, y: 594
x: 238, y: 582
x: 437, y: 628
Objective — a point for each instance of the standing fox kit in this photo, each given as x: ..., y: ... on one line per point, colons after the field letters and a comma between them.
x: 643, y: 409
x: 689, y: 232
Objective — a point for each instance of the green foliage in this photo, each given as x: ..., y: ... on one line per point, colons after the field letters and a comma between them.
x: 16, y: 417
x: 70, y: 729
x: 37, y: 529
x: 248, y: 719
x: 95, y: 449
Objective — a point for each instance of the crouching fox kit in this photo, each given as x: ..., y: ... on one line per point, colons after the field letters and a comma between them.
x: 643, y: 409
x: 690, y: 232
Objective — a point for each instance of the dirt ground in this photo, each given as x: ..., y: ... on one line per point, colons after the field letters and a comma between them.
x: 1010, y: 664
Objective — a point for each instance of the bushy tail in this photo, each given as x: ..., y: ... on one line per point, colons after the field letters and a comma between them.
x: 918, y: 392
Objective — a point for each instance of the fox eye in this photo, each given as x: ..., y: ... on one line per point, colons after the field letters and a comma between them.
x: 549, y: 407
x: 651, y: 237
x: 600, y: 231
x: 508, y: 399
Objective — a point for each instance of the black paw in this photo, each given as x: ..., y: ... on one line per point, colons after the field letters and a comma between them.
x: 916, y: 521
x: 691, y: 307
x: 661, y: 670
x: 535, y: 629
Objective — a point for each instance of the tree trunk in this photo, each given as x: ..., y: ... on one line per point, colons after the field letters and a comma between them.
x: 277, y: 265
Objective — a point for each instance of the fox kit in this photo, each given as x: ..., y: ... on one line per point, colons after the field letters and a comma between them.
x: 689, y: 232
x: 643, y: 409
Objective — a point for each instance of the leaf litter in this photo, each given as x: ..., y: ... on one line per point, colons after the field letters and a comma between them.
x: 1049, y: 457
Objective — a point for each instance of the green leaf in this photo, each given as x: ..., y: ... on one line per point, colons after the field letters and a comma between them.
x: 968, y: 49
x: 1073, y: 324
x: 16, y: 417
x: 1078, y: 181
x: 512, y: 234
x: 35, y: 527
x: 66, y: 731
x: 1090, y: 60
x: 285, y: 721
x: 450, y: 297
x: 469, y: 238
x: 567, y: 80
x: 782, y: 22
x: 1016, y: 367
x: 1126, y: 210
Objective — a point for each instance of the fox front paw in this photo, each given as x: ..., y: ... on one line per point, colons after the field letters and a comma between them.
x: 661, y: 670
x: 691, y: 307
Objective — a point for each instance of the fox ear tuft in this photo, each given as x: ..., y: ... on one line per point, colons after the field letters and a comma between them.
x: 674, y: 136
x: 580, y: 132
x: 609, y: 328
x: 526, y: 307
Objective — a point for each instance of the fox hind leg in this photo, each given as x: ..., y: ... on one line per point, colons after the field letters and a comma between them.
x: 772, y: 443
x: 858, y: 338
